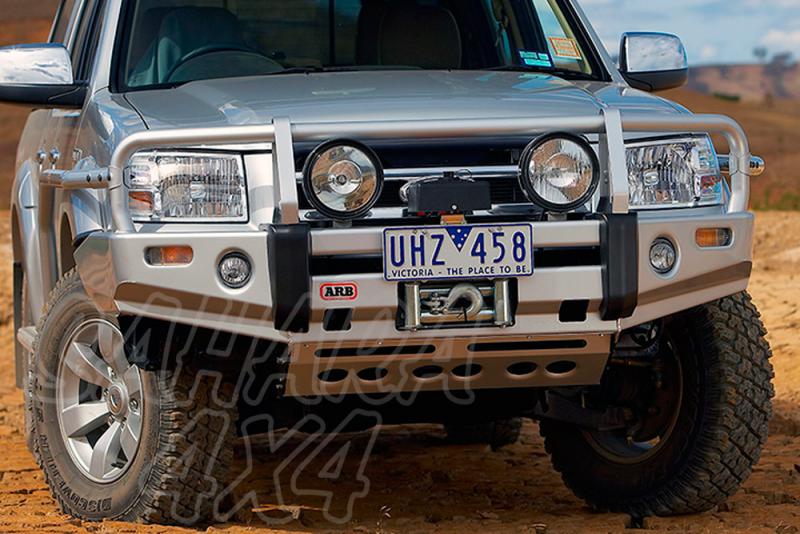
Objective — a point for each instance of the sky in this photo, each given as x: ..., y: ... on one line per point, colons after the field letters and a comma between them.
x: 714, y: 31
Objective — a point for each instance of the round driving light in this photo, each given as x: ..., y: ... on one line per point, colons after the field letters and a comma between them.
x: 559, y: 172
x: 235, y: 270
x: 343, y: 179
x: 663, y: 256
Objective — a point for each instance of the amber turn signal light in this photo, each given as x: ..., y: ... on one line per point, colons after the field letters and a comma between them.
x: 174, y: 255
x: 713, y: 237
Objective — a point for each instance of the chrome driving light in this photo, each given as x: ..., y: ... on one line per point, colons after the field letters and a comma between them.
x: 559, y: 172
x: 186, y: 186
x: 674, y: 173
x: 343, y: 179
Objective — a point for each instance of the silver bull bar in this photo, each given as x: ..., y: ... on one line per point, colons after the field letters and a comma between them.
x: 610, y: 125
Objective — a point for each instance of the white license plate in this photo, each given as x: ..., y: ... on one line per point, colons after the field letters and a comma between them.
x: 458, y: 252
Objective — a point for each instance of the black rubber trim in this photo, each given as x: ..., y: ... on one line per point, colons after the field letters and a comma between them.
x: 288, y: 253
x: 19, y: 356
x: 619, y: 251
x: 657, y: 80
x: 45, y: 96
x: 81, y: 238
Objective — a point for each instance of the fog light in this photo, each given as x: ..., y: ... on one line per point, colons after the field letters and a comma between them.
x: 235, y: 270
x: 663, y: 255
x: 713, y: 237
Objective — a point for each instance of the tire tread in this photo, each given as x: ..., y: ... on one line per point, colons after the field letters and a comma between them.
x: 735, y: 428
x: 191, y: 407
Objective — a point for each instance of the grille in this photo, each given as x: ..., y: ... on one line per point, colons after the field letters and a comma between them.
x: 503, y: 191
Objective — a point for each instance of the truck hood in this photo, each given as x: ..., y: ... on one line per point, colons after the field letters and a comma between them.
x: 395, y: 95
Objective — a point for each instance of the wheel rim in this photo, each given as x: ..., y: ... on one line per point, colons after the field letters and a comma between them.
x: 621, y: 448
x: 99, y: 402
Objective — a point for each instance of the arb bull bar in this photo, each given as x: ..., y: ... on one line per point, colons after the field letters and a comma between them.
x: 283, y: 303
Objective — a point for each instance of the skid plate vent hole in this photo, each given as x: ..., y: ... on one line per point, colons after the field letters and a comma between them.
x: 373, y: 374
x: 522, y: 368
x: 561, y: 368
x: 333, y: 375
x: 468, y: 370
x: 428, y: 371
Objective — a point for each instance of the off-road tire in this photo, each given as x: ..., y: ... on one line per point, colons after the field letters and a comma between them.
x: 497, y: 434
x: 720, y: 431
x: 186, y: 446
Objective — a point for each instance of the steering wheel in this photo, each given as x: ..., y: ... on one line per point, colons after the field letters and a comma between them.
x: 210, y: 49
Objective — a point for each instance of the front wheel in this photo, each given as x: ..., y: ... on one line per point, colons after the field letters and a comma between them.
x: 117, y: 442
x: 702, y: 406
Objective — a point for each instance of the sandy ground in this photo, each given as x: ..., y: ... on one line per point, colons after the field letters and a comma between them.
x: 431, y: 486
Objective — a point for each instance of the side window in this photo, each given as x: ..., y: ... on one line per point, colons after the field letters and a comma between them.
x: 83, y: 51
x: 63, y: 17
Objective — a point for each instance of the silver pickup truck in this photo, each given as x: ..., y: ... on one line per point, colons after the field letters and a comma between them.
x: 459, y: 212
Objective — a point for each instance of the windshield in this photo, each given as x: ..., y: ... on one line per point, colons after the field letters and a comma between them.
x: 169, y: 42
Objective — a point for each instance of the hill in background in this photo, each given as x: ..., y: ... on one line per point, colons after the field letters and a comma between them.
x: 778, y: 79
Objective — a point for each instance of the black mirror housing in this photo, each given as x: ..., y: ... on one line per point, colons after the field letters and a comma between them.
x: 44, y: 96
x: 657, y: 80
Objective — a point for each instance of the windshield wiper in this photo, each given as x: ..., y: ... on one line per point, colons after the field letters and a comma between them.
x: 561, y: 73
x: 356, y: 68
x: 295, y: 70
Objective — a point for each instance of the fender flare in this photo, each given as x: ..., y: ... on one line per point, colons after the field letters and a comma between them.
x: 80, y: 215
x: 27, y: 251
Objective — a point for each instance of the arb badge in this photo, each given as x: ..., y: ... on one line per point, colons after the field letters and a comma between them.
x: 339, y: 291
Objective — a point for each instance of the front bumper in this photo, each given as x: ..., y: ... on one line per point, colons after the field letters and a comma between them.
x: 119, y: 280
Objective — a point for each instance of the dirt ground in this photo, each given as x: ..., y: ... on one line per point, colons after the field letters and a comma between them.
x: 415, y: 482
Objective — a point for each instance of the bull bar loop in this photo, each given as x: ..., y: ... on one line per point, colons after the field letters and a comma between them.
x: 610, y: 125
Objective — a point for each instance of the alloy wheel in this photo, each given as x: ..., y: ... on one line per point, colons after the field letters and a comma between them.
x: 99, y: 401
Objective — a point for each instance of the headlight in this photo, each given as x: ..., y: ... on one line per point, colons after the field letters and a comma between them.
x: 343, y: 179
x: 559, y: 172
x: 181, y: 186
x: 674, y: 173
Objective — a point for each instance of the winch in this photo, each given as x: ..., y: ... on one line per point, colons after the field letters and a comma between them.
x: 456, y: 304
x: 450, y: 193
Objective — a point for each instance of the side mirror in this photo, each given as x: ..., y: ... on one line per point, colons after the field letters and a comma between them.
x: 39, y: 76
x: 653, y: 61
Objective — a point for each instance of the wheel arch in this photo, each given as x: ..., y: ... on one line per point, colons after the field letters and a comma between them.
x: 80, y: 215
x: 66, y: 247
x: 17, y: 247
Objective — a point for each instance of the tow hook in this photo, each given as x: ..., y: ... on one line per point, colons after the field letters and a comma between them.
x: 465, y: 299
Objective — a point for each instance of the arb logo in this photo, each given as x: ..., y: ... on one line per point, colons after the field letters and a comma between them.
x: 340, y: 291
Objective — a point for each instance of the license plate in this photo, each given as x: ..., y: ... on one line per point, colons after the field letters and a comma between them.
x: 458, y: 252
